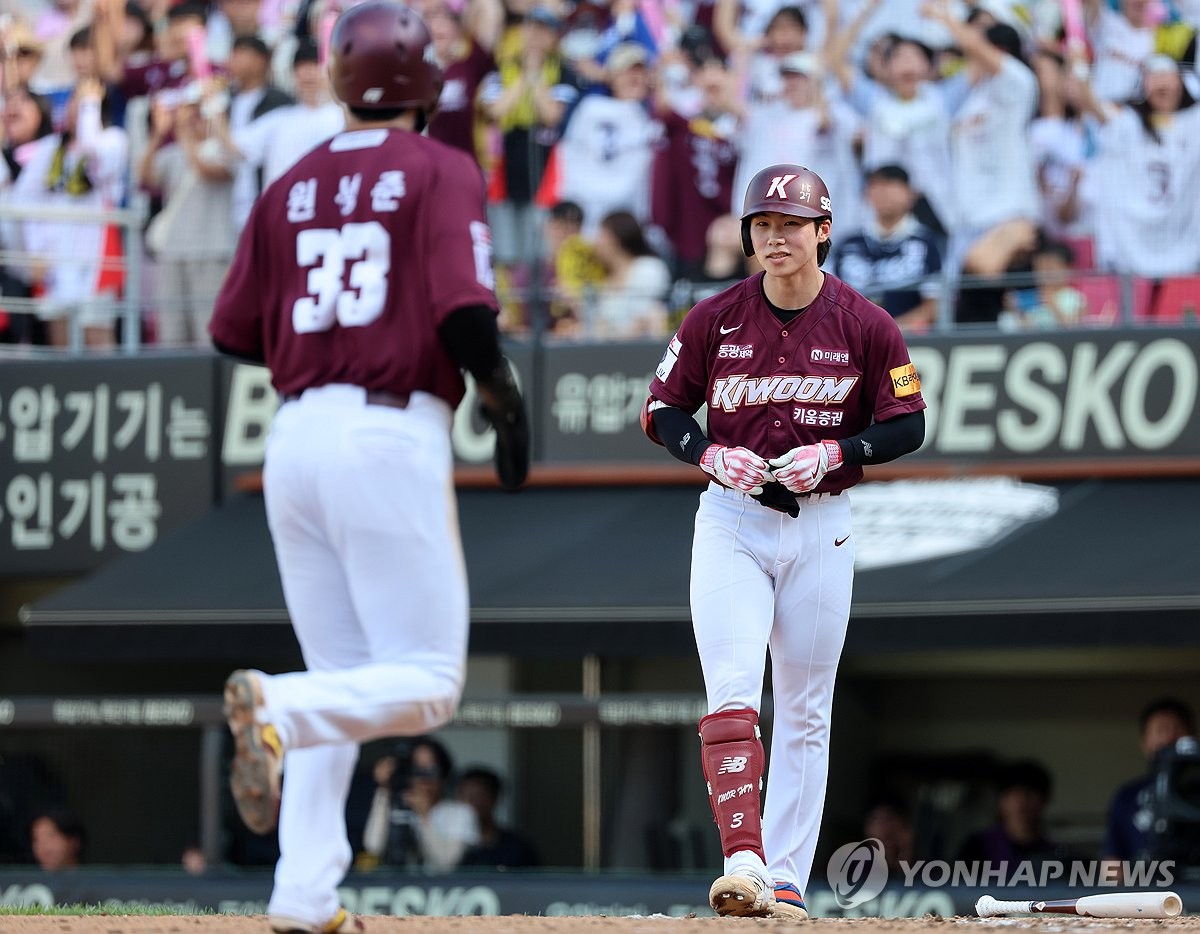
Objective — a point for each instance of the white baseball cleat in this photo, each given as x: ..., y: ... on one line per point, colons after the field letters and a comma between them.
x: 741, y: 895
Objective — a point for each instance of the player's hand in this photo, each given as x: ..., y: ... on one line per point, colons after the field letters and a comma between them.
x: 778, y: 497
x: 503, y: 407
x: 802, y: 469
x: 737, y: 468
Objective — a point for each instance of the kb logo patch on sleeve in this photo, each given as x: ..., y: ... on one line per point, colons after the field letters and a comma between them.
x: 905, y: 381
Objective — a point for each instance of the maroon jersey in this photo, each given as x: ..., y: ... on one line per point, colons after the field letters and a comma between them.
x: 693, y: 182
x: 351, y: 260
x: 454, y: 121
x: 828, y: 373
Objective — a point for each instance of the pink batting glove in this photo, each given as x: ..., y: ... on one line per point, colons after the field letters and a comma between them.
x: 737, y: 468
x: 802, y: 469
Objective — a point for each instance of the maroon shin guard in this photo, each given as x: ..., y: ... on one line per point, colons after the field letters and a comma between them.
x: 734, y: 761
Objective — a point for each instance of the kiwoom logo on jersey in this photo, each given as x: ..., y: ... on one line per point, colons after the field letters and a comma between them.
x: 857, y: 872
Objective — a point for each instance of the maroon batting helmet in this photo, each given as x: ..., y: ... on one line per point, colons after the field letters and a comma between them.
x: 785, y: 189
x: 377, y: 59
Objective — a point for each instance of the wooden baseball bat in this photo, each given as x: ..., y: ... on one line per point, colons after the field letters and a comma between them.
x: 1108, y: 905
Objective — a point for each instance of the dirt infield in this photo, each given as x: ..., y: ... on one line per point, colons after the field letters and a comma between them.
x: 515, y: 924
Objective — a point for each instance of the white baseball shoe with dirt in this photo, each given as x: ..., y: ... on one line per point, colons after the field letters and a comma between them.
x: 742, y: 894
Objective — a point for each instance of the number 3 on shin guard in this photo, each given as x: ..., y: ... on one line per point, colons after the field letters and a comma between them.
x: 734, y: 761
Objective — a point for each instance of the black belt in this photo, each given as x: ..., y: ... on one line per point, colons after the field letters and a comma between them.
x: 807, y: 495
x: 393, y: 400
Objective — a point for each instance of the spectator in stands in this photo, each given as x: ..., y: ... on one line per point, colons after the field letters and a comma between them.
x: 28, y: 137
x: 22, y: 54
x: 1019, y: 834
x: 757, y: 45
x: 1147, y: 154
x: 499, y: 847
x: 574, y: 268
x: 1053, y: 302
x: 889, y: 821
x: 805, y: 127
x: 54, y: 26
x: 58, y: 839
x: 907, y: 116
x: 80, y: 267
x: 251, y: 96
x: 412, y: 818
x: 166, y: 70
x: 1161, y: 724
x: 526, y: 99
x: 895, y: 260
x: 694, y: 167
x: 630, y: 301
x: 232, y: 20
x: 274, y: 142
x: 608, y: 145
x: 724, y: 264
x: 994, y: 187
x: 724, y: 259
x: 1122, y: 40
x: 193, y: 236
x: 466, y: 63
x: 1060, y: 143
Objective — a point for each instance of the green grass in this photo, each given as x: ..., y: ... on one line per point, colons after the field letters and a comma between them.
x: 105, y: 908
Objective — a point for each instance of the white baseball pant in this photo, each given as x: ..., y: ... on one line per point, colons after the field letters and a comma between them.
x: 761, y: 578
x: 361, y: 506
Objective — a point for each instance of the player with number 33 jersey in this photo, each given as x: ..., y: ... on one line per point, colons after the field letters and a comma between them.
x: 363, y: 280
x: 805, y: 382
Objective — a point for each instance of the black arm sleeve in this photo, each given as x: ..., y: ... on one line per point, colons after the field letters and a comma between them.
x: 472, y: 338
x: 240, y: 355
x: 680, y: 434
x: 884, y: 441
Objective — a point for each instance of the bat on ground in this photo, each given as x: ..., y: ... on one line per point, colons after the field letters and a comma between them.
x: 1108, y: 905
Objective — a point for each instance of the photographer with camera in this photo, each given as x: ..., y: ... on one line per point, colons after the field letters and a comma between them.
x: 1129, y: 831
x: 413, y: 820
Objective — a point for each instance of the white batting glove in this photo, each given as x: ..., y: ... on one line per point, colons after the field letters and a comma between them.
x: 802, y: 468
x: 737, y: 468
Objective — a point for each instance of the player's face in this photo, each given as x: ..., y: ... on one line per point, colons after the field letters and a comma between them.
x: 783, y: 244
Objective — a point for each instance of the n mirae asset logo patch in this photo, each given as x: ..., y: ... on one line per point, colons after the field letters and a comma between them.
x: 731, y: 392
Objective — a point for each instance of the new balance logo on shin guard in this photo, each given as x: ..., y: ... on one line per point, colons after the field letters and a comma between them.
x: 732, y: 764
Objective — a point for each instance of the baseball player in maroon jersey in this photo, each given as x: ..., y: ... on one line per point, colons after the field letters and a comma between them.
x: 805, y: 382
x: 363, y: 280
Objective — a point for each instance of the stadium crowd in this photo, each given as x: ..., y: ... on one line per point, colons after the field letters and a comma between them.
x: 962, y: 144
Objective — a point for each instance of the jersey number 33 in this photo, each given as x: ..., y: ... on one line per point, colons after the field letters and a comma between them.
x: 354, y: 296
